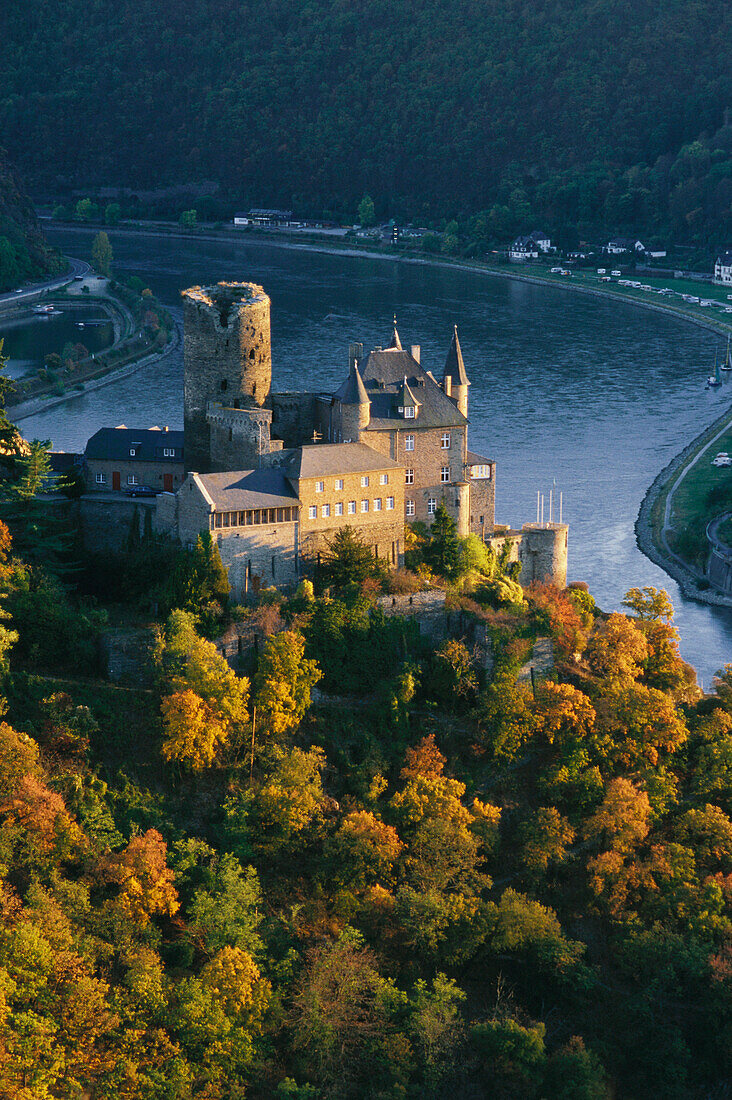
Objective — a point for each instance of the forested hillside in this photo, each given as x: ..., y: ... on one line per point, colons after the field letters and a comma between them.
x: 24, y: 251
x: 589, y: 113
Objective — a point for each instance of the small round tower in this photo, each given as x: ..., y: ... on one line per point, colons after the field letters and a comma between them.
x: 355, y: 406
x: 227, y: 358
x: 454, y: 377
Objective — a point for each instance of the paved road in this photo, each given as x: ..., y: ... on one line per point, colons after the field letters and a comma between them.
x: 76, y: 267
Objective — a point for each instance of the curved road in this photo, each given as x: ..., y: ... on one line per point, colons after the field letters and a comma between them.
x: 76, y: 268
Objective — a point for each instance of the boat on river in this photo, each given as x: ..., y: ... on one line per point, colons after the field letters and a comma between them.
x: 727, y: 364
x: 714, y: 380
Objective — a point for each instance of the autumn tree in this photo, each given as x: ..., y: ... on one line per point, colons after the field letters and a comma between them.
x: 616, y: 651
x: 144, y: 879
x: 364, y: 851
x: 283, y: 682
x: 101, y: 254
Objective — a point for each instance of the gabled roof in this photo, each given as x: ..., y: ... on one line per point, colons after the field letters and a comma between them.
x: 352, y: 391
x: 725, y: 258
x: 539, y: 235
x: 320, y: 459
x: 243, y: 489
x: 114, y: 444
x: 405, y: 397
x: 454, y: 365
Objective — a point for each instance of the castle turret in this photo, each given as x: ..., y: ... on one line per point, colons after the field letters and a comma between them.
x: 355, y: 405
x: 395, y: 343
x: 227, y: 361
x: 454, y: 378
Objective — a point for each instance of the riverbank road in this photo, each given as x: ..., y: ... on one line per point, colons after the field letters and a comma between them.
x: 77, y: 270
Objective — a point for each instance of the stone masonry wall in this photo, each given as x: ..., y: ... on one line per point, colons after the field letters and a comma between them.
x: 106, y: 524
x: 426, y: 460
x: 227, y: 356
x: 542, y: 552
x: 482, y: 505
x: 294, y: 418
x: 382, y: 530
x: 147, y: 473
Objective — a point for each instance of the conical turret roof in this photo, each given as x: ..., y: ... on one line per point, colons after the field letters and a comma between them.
x: 396, y: 344
x: 454, y: 366
x: 353, y: 391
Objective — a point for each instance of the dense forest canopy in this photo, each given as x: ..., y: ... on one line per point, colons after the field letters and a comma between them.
x: 597, y: 113
x: 24, y: 251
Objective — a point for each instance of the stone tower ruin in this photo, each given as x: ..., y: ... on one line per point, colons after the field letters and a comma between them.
x: 227, y: 369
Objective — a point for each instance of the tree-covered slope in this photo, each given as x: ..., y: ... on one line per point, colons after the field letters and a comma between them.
x: 24, y: 251
x: 436, y: 108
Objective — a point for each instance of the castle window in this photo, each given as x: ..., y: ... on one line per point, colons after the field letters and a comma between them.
x: 410, y: 507
x: 101, y: 479
x: 257, y: 515
x: 339, y: 508
x: 445, y: 440
x: 409, y: 476
x: 319, y: 486
x: 246, y: 518
x: 364, y: 506
x: 231, y: 434
x: 273, y: 515
x: 444, y: 473
x: 224, y: 385
x: 325, y: 511
x: 431, y: 506
x: 226, y: 518
x: 280, y: 515
x: 408, y: 442
x: 390, y: 504
x: 409, y: 412
x: 132, y: 479
x: 364, y: 482
x: 339, y: 484
x: 313, y: 511
x: 377, y: 504
x: 352, y: 507
x: 219, y: 519
x: 384, y: 479
x: 133, y: 452
x: 168, y: 452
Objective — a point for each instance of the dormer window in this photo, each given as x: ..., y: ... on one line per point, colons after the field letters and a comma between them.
x: 409, y: 412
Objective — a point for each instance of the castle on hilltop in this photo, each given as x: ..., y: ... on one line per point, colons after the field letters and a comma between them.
x: 274, y: 476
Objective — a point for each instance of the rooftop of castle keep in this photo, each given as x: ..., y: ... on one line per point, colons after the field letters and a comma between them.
x: 224, y: 296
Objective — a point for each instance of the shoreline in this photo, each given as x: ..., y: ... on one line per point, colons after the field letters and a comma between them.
x: 712, y: 324
x: 686, y: 577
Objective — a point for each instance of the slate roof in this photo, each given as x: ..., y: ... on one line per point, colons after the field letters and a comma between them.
x: 352, y: 392
x: 320, y: 459
x: 472, y: 458
x: 114, y: 444
x: 454, y: 365
x: 239, y: 490
x: 725, y: 258
x: 383, y: 375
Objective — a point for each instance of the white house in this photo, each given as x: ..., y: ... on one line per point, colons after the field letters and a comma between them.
x: 723, y: 268
x: 542, y: 241
x: 523, y: 248
x: 618, y: 245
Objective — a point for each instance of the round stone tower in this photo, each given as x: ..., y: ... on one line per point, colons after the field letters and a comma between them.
x: 227, y: 358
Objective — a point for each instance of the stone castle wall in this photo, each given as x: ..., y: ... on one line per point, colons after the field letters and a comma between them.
x: 542, y: 552
x: 294, y: 418
x: 227, y: 358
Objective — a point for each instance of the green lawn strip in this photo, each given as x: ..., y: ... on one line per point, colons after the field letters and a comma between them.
x: 705, y: 492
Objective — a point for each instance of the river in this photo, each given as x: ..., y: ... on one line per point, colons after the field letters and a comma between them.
x: 594, y: 394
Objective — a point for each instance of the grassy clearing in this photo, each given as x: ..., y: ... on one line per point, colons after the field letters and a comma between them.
x: 704, y: 493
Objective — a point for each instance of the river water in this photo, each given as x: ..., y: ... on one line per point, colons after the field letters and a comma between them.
x: 593, y: 394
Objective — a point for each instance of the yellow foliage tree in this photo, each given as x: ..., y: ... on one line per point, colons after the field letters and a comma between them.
x: 284, y: 681
x: 145, y: 881
x: 234, y: 978
x: 616, y: 651
x: 192, y: 732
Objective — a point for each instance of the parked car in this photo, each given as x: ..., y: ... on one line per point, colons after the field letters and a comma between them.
x: 722, y: 460
x: 141, y: 491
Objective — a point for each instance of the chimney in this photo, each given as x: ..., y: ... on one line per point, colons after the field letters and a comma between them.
x: 447, y: 385
x: 416, y: 352
x: 166, y: 428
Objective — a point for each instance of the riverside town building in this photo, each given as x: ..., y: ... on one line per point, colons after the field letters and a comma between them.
x: 273, y: 476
